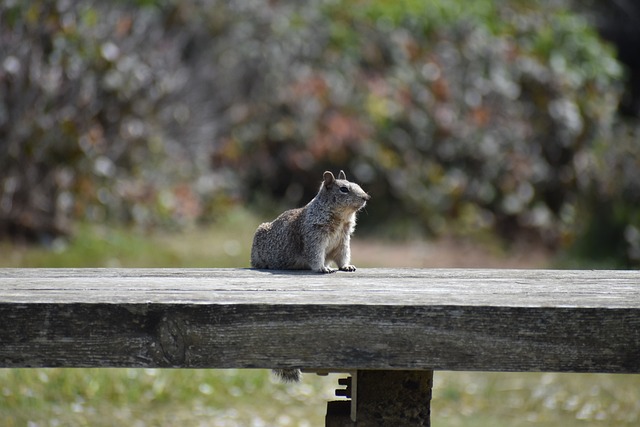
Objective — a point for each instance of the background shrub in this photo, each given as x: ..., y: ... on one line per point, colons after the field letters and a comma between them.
x: 458, y: 117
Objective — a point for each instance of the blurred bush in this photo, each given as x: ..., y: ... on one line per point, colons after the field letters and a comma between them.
x: 93, y: 117
x: 458, y: 117
x: 607, y: 229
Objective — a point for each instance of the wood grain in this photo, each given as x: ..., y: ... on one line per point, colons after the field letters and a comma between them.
x: 490, y: 320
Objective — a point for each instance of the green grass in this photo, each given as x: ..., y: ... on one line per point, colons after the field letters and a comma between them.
x: 535, y: 399
x: 165, y: 397
x: 154, y: 397
x: 226, y: 244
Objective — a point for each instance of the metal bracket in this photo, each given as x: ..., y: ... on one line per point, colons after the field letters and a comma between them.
x: 350, y: 392
x: 342, y: 413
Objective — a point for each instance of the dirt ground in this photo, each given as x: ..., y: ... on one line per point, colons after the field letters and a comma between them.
x: 444, y: 253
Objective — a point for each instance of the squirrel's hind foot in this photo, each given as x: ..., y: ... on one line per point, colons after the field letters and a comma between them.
x: 348, y: 268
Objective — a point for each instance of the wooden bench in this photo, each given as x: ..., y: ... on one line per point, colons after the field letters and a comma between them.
x: 389, y: 328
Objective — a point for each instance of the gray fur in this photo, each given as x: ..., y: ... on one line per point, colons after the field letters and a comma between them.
x: 288, y: 375
x: 309, y: 238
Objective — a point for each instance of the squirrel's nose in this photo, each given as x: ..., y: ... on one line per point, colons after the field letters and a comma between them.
x: 366, y: 197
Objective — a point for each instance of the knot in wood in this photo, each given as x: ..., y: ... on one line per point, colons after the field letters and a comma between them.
x: 171, y: 336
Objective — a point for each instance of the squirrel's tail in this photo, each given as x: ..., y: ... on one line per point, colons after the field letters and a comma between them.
x: 288, y: 375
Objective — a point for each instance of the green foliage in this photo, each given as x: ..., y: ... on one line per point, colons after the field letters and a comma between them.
x: 87, y: 112
x: 459, y: 117
x: 608, y: 222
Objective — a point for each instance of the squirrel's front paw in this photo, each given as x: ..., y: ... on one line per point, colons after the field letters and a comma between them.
x: 325, y: 270
x: 348, y: 268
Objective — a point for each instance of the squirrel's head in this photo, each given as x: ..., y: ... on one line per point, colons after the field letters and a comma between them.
x: 342, y: 194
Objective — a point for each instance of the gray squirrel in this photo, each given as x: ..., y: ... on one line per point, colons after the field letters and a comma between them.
x: 309, y: 238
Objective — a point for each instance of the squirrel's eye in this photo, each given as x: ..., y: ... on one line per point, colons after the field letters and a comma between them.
x: 344, y: 189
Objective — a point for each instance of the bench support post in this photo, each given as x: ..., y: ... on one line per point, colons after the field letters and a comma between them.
x: 384, y: 398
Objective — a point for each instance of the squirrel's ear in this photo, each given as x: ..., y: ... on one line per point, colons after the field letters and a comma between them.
x: 341, y: 175
x: 328, y: 178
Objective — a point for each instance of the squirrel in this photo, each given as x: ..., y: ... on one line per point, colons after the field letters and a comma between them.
x: 309, y: 238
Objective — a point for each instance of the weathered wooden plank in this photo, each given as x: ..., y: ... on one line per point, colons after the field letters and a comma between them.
x: 510, y: 288
x: 492, y: 320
